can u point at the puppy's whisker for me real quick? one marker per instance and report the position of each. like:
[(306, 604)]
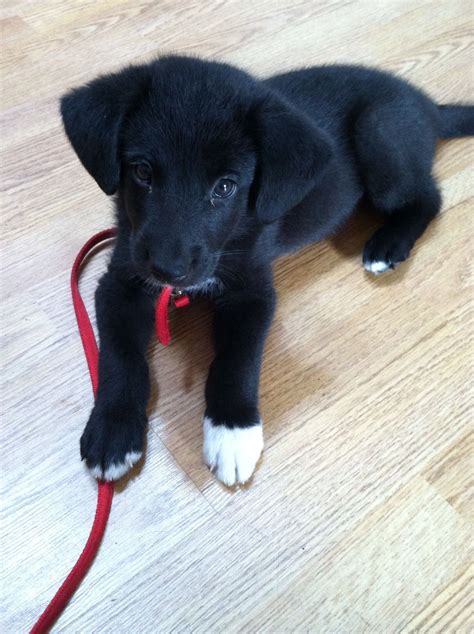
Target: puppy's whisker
[(231, 274), (231, 253)]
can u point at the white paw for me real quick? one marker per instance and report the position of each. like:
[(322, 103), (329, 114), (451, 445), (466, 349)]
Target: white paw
[(232, 453), (378, 266), (117, 469)]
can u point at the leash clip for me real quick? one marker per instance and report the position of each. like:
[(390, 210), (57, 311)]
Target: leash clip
[(180, 299)]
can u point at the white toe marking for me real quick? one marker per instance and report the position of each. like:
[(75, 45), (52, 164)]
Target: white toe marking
[(379, 266), (232, 453), (117, 469)]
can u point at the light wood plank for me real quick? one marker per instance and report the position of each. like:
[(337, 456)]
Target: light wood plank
[(450, 610), (452, 474)]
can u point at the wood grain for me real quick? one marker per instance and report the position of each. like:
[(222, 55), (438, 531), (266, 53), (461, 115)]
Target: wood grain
[(359, 518), (450, 610)]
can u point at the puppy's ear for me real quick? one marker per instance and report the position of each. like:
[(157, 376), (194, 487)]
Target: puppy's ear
[(92, 117), (292, 154)]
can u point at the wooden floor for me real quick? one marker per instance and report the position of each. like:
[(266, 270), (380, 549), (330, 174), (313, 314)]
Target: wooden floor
[(359, 518)]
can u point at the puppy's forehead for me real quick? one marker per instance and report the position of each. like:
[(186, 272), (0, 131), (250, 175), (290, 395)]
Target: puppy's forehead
[(192, 106), (193, 119)]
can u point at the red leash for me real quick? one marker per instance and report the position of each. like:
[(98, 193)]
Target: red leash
[(105, 489), (161, 313)]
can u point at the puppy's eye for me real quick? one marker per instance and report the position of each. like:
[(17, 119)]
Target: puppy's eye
[(142, 173), (224, 188)]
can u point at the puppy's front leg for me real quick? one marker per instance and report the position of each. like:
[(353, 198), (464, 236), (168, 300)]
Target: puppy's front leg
[(114, 436), (233, 439)]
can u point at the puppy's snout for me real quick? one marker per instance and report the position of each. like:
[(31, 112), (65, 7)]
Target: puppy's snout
[(171, 262), (170, 273)]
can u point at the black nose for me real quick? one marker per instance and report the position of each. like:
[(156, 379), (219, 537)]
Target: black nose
[(169, 275)]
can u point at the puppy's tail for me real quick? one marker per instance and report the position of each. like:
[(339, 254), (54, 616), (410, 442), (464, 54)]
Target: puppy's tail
[(456, 120)]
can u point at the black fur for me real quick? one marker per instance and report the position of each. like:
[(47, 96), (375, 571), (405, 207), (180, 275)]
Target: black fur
[(302, 148)]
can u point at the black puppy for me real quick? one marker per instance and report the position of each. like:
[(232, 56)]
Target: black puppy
[(216, 174)]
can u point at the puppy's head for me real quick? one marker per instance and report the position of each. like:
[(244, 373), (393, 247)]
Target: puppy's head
[(199, 153)]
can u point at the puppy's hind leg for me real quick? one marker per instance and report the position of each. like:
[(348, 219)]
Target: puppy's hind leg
[(392, 243), (395, 147)]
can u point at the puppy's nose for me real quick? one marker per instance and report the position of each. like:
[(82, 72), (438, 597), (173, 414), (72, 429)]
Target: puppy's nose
[(171, 275)]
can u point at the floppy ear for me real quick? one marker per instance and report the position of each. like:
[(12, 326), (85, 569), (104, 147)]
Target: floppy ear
[(92, 116), (293, 153)]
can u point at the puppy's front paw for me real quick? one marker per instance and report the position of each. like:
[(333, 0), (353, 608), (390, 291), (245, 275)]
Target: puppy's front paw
[(112, 442), (231, 454)]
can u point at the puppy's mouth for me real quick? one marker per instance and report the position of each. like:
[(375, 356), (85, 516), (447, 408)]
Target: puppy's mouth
[(200, 278), (205, 285)]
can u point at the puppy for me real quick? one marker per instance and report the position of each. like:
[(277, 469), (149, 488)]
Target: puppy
[(215, 174)]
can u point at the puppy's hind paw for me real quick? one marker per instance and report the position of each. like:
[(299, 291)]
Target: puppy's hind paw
[(378, 266), (385, 250)]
